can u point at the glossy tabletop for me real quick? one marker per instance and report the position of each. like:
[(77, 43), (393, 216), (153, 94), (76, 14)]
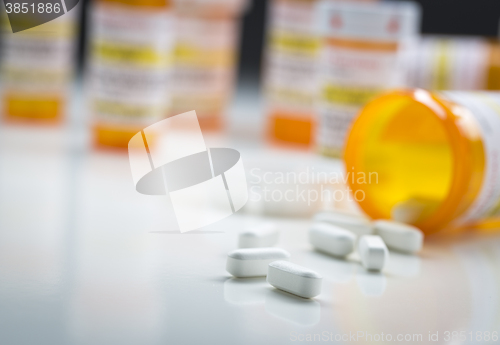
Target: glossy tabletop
[(85, 259)]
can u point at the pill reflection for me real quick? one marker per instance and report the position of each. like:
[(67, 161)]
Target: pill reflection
[(332, 268), (403, 265), (297, 310), (245, 291), (371, 283)]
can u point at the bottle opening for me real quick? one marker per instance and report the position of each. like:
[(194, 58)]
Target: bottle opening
[(403, 146)]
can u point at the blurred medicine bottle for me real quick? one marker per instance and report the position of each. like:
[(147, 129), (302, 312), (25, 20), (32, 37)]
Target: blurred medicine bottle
[(129, 72), (290, 66), (436, 158), (206, 44), (291, 58), (37, 68), (456, 63), (365, 51)]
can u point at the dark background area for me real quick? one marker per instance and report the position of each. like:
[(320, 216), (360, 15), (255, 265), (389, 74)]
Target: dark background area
[(456, 17)]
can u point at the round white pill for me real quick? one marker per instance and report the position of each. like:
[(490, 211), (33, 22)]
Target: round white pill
[(357, 224), (253, 262), (331, 239), (399, 236), (294, 279), (373, 252), (264, 235)]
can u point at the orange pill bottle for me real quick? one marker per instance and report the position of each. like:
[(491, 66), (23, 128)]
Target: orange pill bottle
[(436, 157)]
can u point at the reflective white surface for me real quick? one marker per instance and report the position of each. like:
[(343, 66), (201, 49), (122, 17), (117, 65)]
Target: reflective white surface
[(85, 259)]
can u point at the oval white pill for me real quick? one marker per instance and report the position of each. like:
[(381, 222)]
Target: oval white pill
[(253, 262), (264, 235), (357, 224), (399, 236), (373, 252), (332, 239), (294, 279)]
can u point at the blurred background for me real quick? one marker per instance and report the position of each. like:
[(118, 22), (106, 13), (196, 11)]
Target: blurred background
[(459, 17), (287, 75), (247, 28), (280, 74), (86, 259)]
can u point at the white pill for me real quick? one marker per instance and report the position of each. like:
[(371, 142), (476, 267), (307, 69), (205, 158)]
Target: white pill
[(253, 262), (294, 279), (264, 235), (413, 209), (332, 239), (373, 252), (357, 224), (399, 236), (407, 212)]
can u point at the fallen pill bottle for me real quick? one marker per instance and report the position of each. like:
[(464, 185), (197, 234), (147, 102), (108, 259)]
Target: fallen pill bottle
[(428, 159)]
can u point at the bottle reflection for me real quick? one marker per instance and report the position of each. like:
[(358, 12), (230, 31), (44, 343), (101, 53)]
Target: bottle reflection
[(297, 310), (403, 265), (371, 283), (245, 291), (333, 269), (480, 261)]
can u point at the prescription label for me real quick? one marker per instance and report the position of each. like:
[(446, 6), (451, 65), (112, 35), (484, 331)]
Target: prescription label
[(130, 64), (293, 48), (485, 107), (37, 67), (204, 64), (365, 52), (445, 63)]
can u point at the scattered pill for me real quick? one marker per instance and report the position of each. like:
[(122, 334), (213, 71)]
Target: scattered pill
[(294, 279), (413, 209), (264, 235), (357, 224), (399, 236), (245, 291), (373, 252), (253, 262), (332, 239), (407, 212)]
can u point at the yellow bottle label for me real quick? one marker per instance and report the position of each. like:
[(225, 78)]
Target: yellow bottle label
[(295, 43), (124, 53), (345, 95)]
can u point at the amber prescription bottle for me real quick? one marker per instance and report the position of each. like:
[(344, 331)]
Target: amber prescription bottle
[(436, 158)]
